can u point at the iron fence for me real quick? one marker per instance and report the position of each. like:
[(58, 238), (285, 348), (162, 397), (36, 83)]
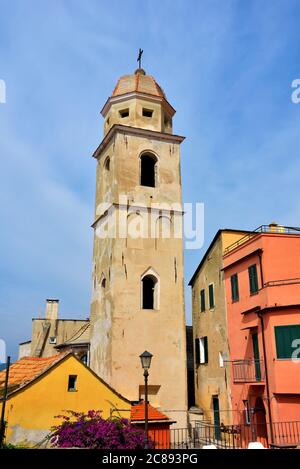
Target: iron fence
[(277, 435)]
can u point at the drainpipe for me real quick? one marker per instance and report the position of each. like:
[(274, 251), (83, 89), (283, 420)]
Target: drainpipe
[(266, 372), (261, 269)]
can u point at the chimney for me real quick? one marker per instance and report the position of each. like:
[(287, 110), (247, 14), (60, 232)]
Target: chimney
[(52, 309)]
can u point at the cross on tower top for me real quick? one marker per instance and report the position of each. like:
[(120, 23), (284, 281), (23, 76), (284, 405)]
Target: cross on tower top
[(139, 59)]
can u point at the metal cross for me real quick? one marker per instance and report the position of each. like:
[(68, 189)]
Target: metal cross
[(139, 59)]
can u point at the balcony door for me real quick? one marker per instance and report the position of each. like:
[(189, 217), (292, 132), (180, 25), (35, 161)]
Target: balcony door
[(256, 357)]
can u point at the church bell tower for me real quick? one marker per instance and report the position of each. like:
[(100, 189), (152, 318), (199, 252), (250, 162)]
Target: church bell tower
[(138, 278)]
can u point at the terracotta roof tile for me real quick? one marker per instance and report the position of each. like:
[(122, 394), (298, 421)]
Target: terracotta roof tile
[(138, 82), (26, 369), (138, 413)]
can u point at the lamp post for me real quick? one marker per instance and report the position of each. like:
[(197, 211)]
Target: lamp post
[(146, 362)]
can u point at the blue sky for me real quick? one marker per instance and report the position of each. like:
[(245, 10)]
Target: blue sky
[(226, 66)]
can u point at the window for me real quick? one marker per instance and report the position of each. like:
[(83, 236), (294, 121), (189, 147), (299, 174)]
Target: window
[(107, 164), (147, 112), (52, 340), (285, 337), (247, 412), (253, 282), (234, 287), (202, 301), (72, 383), (149, 292), (221, 359), (211, 296), (148, 163), (124, 113), (201, 350)]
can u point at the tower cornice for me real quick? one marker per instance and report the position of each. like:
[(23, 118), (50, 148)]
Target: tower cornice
[(137, 94), (137, 131)]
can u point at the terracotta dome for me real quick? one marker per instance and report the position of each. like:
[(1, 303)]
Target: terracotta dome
[(138, 82)]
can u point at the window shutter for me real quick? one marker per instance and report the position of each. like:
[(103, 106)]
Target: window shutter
[(234, 287), (253, 282), (205, 349), (211, 296), (197, 351), (284, 337), (202, 300)]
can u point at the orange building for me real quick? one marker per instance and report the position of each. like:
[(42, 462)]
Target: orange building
[(262, 285)]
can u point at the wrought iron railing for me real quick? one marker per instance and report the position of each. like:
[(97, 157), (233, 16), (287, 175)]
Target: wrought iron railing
[(277, 435), (279, 229), (247, 370)]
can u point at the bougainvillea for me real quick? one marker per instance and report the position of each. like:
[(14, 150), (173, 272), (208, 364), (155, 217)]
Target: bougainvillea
[(90, 430)]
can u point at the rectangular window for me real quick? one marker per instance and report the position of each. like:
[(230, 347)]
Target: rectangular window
[(211, 296), (221, 359), (124, 113), (287, 340), (202, 301), (147, 112), (234, 287), (253, 282), (247, 412), (72, 383), (197, 351), (203, 350)]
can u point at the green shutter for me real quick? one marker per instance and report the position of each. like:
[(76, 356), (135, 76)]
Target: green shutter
[(234, 287), (284, 336), (253, 281), (211, 296), (202, 300)]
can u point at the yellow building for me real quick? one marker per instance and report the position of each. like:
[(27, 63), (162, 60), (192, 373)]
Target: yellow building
[(41, 388), (212, 381)]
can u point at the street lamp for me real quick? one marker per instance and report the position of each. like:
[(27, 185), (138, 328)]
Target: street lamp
[(146, 362)]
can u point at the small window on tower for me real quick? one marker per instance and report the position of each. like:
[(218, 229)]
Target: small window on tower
[(124, 113), (149, 292), (148, 163), (107, 164), (147, 112)]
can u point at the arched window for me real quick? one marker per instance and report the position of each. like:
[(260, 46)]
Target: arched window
[(148, 170), (149, 292), (107, 164)]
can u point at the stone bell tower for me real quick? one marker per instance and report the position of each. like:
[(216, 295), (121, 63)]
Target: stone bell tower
[(138, 291)]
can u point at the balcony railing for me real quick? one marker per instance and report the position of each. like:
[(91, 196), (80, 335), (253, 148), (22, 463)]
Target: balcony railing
[(248, 371), (279, 229)]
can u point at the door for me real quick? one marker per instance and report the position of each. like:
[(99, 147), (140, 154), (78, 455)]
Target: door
[(256, 357), (216, 409)]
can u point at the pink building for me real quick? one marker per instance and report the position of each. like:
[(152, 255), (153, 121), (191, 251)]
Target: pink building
[(262, 282)]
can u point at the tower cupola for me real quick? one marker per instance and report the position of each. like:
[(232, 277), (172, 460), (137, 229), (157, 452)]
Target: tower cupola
[(138, 101)]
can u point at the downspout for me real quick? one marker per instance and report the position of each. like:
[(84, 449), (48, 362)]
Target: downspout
[(266, 373)]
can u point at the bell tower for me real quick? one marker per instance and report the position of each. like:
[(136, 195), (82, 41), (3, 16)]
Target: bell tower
[(138, 288)]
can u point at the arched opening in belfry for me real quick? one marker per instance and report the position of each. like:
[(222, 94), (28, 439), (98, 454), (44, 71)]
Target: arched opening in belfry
[(148, 170), (149, 292)]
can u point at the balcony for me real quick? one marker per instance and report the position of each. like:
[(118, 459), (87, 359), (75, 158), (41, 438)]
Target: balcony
[(248, 371)]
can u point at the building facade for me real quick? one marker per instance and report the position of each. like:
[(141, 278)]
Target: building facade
[(51, 335), (39, 389), (210, 334), (262, 278), (138, 293)]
